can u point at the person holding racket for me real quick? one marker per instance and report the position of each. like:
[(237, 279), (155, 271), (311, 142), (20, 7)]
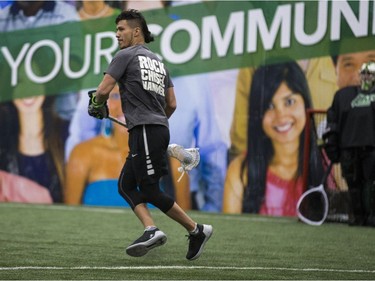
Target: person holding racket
[(148, 100), (267, 179), (350, 139)]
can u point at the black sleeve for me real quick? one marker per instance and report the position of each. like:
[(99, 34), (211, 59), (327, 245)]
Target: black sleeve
[(333, 117), (331, 134)]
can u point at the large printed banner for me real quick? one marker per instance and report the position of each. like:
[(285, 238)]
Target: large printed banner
[(191, 39), (231, 62)]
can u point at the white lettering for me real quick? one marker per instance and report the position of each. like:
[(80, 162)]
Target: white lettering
[(86, 60), (245, 32), (106, 53), (152, 76), (161, 68), (143, 62), (358, 26), (235, 27), (281, 20), (321, 28), (155, 65), (14, 64), (151, 64), (57, 63), (193, 44), (150, 86), (62, 58)]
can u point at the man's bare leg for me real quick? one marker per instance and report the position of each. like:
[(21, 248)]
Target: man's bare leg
[(178, 214), (144, 215)]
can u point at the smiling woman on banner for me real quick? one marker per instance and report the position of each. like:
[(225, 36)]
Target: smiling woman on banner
[(268, 178), (32, 141)]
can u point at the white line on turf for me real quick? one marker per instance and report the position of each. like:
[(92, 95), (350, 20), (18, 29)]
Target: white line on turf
[(178, 267)]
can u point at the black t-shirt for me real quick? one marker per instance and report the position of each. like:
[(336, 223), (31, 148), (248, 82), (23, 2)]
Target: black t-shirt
[(353, 112), (143, 81)]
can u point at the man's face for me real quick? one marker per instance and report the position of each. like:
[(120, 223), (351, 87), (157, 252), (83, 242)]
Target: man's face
[(348, 66), (125, 34)]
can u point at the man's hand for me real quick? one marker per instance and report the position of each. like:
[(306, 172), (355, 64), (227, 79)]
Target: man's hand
[(97, 110)]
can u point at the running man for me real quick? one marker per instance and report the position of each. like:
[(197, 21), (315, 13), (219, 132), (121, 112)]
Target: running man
[(148, 100)]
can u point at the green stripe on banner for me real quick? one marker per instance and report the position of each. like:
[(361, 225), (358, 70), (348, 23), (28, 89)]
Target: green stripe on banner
[(203, 37)]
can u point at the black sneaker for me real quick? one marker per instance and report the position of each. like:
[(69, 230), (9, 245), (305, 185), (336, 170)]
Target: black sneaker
[(197, 241), (149, 240)]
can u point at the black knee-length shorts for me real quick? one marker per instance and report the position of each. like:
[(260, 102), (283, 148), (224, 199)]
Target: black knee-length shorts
[(145, 165)]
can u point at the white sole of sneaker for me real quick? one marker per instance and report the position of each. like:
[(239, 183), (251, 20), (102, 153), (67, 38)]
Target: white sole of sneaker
[(207, 230), (141, 249)]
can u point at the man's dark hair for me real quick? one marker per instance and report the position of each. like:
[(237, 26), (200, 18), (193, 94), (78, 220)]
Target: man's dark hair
[(136, 19)]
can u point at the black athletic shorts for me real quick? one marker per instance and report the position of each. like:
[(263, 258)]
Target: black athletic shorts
[(147, 157)]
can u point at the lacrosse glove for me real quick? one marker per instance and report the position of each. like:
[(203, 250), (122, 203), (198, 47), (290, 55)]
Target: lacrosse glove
[(97, 110)]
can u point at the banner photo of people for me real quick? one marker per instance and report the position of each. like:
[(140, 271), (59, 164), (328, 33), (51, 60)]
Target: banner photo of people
[(253, 82)]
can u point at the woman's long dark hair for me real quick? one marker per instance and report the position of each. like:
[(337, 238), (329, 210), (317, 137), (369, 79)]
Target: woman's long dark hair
[(52, 138), (266, 80)]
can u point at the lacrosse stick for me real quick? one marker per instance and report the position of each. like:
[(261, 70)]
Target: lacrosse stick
[(188, 157), (312, 206), (117, 121)]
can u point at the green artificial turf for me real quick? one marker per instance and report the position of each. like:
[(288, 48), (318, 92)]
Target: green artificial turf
[(87, 243)]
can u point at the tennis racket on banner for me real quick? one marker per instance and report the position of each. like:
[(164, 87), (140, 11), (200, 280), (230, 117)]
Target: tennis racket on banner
[(312, 206)]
